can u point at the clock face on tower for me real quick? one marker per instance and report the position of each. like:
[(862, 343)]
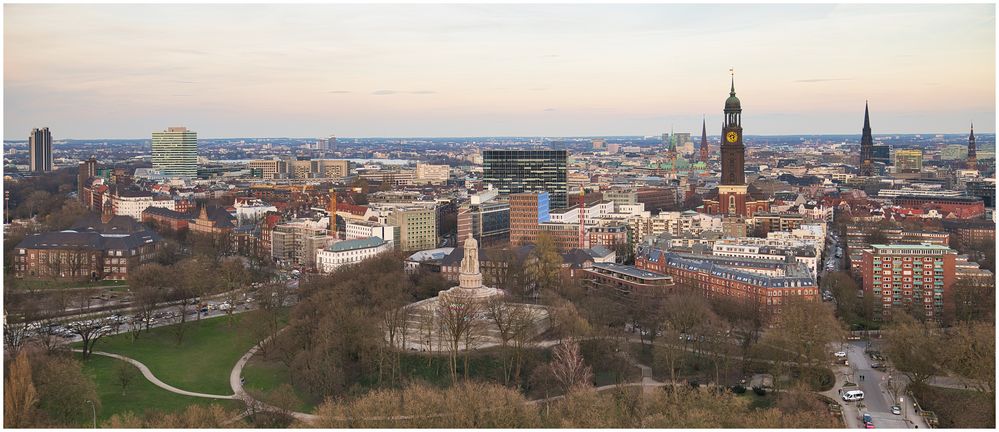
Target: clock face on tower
[(732, 137)]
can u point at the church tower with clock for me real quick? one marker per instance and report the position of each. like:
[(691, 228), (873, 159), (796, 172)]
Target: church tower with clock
[(732, 190), (734, 198)]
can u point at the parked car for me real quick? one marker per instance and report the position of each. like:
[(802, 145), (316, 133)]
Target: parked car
[(897, 410), (875, 365), (840, 353), (853, 395)]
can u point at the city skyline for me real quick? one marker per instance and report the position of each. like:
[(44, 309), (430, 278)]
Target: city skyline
[(495, 70)]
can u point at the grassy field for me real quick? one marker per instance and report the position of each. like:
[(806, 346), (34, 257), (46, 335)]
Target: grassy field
[(140, 395), (201, 363)]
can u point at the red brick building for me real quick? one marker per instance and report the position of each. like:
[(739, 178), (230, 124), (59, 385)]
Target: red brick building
[(529, 218), (765, 283), (948, 207), (628, 283), (164, 219), (94, 248), (913, 277), (971, 231)]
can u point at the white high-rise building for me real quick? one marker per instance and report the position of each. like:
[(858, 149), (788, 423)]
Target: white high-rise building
[(175, 152)]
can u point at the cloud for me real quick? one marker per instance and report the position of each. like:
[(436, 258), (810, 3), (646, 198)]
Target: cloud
[(549, 109), (339, 91), (549, 56), (185, 82), (815, 80), (392, 92)]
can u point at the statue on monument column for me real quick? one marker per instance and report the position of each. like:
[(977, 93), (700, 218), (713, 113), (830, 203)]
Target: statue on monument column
[(470, 262)]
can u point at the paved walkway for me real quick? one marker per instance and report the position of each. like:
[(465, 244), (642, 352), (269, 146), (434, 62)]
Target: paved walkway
[(156, 381), (236, 382)]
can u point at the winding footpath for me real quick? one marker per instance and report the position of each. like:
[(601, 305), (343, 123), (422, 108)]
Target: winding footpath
[(156, 381)]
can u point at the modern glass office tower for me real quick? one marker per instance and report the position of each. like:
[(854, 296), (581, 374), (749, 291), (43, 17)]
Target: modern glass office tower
[(516, 171), (175, 152)]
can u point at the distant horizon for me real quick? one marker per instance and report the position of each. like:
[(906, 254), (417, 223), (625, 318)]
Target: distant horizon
[(464, 70), (875, 135)]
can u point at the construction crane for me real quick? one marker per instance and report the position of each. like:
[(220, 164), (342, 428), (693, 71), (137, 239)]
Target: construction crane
[(582, 218)]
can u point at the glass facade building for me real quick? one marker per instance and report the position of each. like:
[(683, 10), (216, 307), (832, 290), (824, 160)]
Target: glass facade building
[(175, 152), (516, 171)]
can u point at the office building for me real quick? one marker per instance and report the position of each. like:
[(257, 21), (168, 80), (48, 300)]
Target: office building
[(40, 150), (433, 174), (326, 144), (86, 171), (362, 229), (527, 211), (486, 219), (417, 227), (881, 153), (910, 277), (295, 243), (349, 252), (175, 152), (516, 171), (908, 161)]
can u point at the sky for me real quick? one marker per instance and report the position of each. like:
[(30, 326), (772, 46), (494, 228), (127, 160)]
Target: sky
[(124, 71)]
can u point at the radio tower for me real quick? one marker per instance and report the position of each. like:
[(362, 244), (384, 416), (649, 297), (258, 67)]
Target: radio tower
[(582, 219)]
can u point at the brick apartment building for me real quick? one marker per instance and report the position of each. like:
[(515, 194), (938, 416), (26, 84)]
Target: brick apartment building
[(917, 277)]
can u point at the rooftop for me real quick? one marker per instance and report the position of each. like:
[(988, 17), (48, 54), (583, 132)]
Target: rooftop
[(348, 245), (631, 271)]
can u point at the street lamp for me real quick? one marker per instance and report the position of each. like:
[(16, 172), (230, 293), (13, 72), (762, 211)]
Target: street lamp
[(94, 409)]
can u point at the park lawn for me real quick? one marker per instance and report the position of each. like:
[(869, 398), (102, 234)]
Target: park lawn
[(956, 408), (266, 375), (201, 363), (140, 394)]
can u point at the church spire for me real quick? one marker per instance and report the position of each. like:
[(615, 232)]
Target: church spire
[(732, 92), (972, 162), (704, 140), (867, 118), (866, 145)]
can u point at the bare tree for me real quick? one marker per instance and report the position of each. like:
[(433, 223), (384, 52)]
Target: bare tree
[(233, 276), (89, 331), (515, 324), (914, 347), (568, 366), (457, 316), (124, 375), (15, 334)]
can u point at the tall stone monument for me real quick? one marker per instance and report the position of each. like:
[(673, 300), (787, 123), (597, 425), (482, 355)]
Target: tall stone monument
[(470, 286)]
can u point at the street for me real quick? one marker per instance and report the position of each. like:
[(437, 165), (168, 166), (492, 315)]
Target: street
[(877, 399)]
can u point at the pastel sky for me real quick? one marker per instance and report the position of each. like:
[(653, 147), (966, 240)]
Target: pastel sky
[(123, 71)]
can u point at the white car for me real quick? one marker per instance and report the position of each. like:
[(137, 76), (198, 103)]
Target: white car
[(839, 354)]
